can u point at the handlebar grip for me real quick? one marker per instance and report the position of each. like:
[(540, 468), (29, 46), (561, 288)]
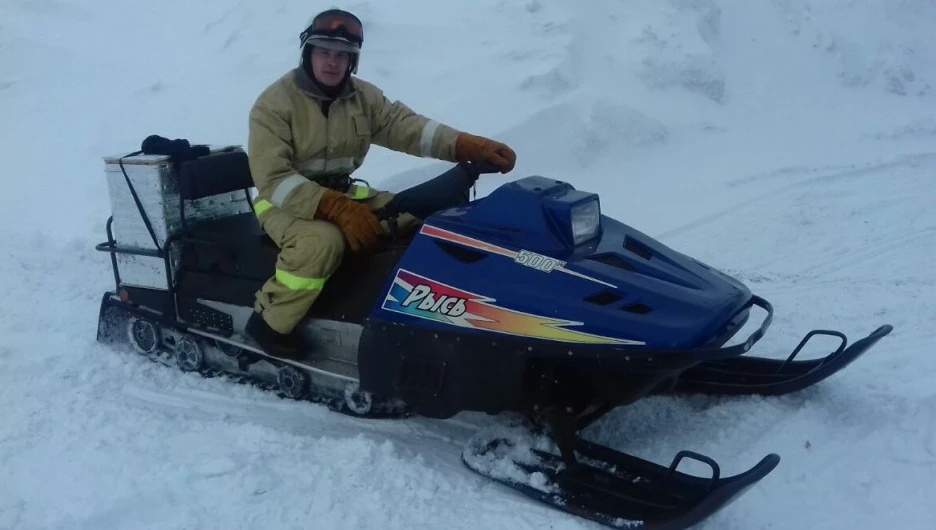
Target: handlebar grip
[(481, 168)]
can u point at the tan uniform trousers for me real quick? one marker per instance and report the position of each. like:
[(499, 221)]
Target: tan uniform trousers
[(310, 252)]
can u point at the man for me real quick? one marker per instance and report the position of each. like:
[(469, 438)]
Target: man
[(309, 131)]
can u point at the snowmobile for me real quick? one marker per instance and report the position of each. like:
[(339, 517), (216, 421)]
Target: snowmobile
[(528, 301)]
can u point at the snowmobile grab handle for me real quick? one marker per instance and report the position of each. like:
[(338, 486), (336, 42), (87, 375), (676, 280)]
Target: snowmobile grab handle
[(736, 350), (708, 353), (759, 332)]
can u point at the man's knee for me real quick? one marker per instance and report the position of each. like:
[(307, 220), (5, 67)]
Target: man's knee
[(315, 248), (326, 244)]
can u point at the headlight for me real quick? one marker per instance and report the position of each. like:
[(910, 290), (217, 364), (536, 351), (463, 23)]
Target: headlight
[(585, 221), (574, 215)]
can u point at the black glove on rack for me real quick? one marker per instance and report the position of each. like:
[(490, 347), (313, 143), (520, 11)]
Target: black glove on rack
[(178, 150)]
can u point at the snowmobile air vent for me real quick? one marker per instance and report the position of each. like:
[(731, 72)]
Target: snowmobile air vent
[(462, 254), (637, 248), (603, 298), (614, 260), (637, 309)]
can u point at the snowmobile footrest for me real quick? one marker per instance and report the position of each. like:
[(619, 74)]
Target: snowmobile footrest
[(623, 491)]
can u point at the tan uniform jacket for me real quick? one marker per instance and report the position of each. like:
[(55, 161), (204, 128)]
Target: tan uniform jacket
[(291, 141)]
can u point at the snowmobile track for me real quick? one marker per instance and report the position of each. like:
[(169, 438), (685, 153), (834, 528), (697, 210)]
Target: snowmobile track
[(246, 364)]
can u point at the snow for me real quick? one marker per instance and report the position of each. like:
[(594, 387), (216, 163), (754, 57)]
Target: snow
[(787, 142)]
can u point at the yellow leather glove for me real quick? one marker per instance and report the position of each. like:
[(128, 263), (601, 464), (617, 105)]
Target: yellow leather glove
[(471, 148), (355, 220)]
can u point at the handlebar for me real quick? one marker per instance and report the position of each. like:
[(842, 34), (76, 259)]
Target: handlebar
[(480, 168), (447, 190)]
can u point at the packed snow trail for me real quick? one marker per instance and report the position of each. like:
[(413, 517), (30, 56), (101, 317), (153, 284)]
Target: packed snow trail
[(789, 143)]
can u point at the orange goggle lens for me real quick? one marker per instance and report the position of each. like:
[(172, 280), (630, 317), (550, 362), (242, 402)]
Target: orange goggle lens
[(339, 25)]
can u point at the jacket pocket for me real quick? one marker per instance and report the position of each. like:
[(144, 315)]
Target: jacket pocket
[(361, 126)]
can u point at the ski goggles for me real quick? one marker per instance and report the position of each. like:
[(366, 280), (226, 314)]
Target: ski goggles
[(337, 31)]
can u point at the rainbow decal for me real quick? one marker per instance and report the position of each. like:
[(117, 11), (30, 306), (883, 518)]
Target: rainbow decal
[(421, 297), (446, 235)]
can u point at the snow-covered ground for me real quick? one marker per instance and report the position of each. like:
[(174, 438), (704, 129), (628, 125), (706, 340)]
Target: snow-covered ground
[(789, 142)]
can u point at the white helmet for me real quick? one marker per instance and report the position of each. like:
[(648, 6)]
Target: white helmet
[(334, 29)]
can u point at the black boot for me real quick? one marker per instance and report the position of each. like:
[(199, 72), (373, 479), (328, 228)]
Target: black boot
[(285, 346)]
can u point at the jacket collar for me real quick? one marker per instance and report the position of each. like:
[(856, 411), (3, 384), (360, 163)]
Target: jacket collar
[(307, 85)]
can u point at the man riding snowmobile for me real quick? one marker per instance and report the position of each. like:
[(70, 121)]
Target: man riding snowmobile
[(308, 132)]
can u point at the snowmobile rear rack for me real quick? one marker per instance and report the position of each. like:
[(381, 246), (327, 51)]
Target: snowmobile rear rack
[(174, 310)]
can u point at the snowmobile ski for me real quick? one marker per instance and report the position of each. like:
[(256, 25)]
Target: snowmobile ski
[(607, 486), (629, 492), (759, 375)]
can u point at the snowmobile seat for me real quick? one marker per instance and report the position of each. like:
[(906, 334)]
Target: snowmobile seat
[(226, 258), (239, 232), (215, 174)]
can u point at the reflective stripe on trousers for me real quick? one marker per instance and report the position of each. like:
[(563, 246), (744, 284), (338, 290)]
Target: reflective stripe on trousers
[(288, 279), (298, 283)]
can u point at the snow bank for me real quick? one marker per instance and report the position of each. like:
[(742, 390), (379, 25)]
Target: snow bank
[(884, 46)]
